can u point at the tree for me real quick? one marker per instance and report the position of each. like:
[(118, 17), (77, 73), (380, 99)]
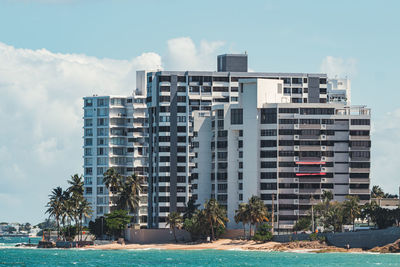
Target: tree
[(98, 227), (190, 209), (76, 185), (352, 208), (79, 207), (215, 215), (263, 233), (242, 216), (303, 224), (116, 222), (128, 198), (174, 220), (113, 180), (55, 206), (377, 192), (330, 214), (327, 196), (367, 210), (197, 226), (84, 210), (257, 211)]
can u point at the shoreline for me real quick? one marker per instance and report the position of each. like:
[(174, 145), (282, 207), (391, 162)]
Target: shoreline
[(229, 244)]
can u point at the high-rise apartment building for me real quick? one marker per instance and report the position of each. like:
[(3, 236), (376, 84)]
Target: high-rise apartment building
[(172, 97), (115, 136), (268, 146), (179, 136)]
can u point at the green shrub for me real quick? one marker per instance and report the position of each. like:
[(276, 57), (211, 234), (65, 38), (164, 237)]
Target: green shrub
[(313, 237), (263, 233)]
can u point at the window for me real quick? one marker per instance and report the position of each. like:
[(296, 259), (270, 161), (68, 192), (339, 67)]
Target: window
[(88, 171), (288, 121), (268, 132), (237, 116), (317, 111), (268, 175), (360, 122), (268, 164), (268, 186), (322, 80), (88, 190), (102, 122), (164, 98), (88, 151), (88, 122), (289, 110), (359, 133), (88, 141), (89, 132), (88, 103), (286, 90), (268, 154), (268, 115), (268, 143), (361, 165)]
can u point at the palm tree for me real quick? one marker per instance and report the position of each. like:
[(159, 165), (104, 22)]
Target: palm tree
[(327, 196), (113, 180), (67, 214), (215, 215), (190, 209), (352, 208), (257, 211), (174, 220), (377, 192), (54, 205), (129, 193), (76, 185), (83, 210), (242, 215)]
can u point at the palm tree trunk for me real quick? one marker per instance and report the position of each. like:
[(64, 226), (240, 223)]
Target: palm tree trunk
[(244, 230), (212, 231), (249, 230), (173, 230)]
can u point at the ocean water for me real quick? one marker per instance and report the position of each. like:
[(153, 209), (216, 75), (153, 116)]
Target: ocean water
[(10, 256)]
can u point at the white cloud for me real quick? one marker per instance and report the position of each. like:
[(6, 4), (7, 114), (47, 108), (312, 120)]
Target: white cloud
[(339, 67), (385, 149), (41, 113), (184, 55)]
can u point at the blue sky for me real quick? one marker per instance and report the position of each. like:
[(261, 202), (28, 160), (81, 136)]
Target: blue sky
[(54, 52)]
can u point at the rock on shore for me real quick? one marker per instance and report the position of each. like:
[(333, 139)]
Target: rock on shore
[(389, 248)]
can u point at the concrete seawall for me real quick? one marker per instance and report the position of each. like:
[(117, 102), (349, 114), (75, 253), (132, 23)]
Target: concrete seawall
[(360, 239), (155, 236)]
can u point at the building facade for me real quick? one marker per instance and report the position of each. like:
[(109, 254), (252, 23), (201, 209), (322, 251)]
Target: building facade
[(179, 136), (173, 97), (115, 136), (268, 146)]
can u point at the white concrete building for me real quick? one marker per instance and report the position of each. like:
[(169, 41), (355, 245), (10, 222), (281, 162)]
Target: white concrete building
[(115, 135), (266, 145)]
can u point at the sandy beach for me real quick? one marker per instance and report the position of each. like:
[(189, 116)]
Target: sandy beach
[(230, 244)]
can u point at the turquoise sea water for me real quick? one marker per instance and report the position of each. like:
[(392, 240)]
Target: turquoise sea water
[(10, 256)]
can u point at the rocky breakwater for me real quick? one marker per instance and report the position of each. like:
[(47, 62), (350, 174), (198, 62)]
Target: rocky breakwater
[(389, 248)]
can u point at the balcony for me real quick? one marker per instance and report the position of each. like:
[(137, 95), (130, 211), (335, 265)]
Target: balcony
[(310, 191), (359, 191)]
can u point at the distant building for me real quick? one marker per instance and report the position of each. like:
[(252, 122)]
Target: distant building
[(387, 203)]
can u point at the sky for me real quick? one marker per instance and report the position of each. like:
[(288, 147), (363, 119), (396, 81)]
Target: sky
[(54, 52)]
